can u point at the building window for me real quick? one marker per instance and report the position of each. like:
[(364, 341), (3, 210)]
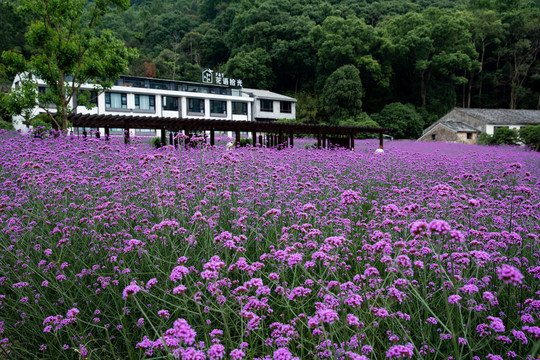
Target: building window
[(41, 93), (285, 107), (218, 107), (145, 102), (267, 105), (115, 101), (87, 131), (433, 136), (196, 106), (170, 103), (469, 136), (239, 108), (145, 131), (91, 96)]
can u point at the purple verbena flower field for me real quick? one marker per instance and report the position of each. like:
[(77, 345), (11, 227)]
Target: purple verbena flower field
[(428, 251)]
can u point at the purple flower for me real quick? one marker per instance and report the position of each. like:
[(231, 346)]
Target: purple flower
[(131, 289), (400, 351), (510, 275), (237, 354), (72, 312), (439, 227)]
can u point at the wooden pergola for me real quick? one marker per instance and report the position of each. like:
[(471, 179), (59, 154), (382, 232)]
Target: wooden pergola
[(277, 134)]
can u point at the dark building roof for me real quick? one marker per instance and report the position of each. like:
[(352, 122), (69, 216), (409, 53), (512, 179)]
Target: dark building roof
[(503, 116), (459, 126)]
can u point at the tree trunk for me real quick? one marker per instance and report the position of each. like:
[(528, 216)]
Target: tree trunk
[(423, 90), (470, 91)]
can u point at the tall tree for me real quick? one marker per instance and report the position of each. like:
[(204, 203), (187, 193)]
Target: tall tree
[(253, 68), (522, 48), (342, 94), (69, 52), (340, 42), (435, 45), (486, 29)]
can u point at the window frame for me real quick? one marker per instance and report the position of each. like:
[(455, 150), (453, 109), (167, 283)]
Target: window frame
[(201, 106), (151, 103), (243, 111), (108, 101), (213, 111), (264, 108), (283, 110), (165, 99)]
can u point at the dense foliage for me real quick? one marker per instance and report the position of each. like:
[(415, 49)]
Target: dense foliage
[(68, 52), (428, 251), (431, 54)]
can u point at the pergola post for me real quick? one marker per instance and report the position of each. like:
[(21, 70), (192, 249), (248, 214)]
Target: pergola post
[(281, 139), (171, 138), (107, 133), (237, 133), (254, 137), (212, 137), (380, 139), (163, 137), (319, 140), (351, 141), (260, 140), (97, 134), (324, 141), (187, 139), (291, 139), (126, 134)]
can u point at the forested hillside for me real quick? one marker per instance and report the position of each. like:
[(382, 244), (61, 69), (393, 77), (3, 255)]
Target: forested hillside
[(347, 61)]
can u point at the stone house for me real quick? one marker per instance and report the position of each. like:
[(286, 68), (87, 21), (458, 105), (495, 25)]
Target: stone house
[(464, 125)]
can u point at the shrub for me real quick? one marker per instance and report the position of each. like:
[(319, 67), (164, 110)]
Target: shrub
[(156, 142), (505, 136), (6, 125), (244, 142), (402, 118), (485, 139), (530, 135)]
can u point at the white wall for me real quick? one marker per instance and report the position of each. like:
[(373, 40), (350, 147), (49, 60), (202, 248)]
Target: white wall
[(490, 128), (275, 114)]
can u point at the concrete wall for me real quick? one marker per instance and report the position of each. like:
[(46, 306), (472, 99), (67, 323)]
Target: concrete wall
[(462, 138), (442, 133)]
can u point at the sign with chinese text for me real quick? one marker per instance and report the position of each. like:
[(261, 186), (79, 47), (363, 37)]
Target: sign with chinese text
[(209, 77)]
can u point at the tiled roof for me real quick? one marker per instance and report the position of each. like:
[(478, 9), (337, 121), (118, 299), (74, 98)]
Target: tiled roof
[(503, 116), (460, 126), (265, 94)]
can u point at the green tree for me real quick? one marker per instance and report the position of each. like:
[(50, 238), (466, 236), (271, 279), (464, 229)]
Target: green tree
[(403, 119), (254, 68), (486, 29), (505, 136), (307, 108), (342, 94), (12, 28), (340, 42), (522, 48), (530, 135), (213, 49), (362, 120), (22, 100), (435, 45), (69, 52)]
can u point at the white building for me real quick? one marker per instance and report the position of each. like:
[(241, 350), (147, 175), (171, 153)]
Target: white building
[(140, 96)]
